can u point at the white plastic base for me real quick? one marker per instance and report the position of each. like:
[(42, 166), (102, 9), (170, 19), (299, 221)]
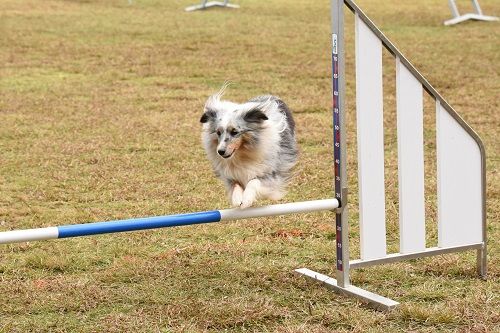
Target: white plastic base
[(470, 16), (210, 4)]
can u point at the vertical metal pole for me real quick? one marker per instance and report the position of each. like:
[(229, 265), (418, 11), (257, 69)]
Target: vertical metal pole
[(339, 141), (482, 254), (453, 8), (481, 262), (477, 8)]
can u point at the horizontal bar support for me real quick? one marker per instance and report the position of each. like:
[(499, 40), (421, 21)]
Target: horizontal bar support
[(396, 257), (373, 300), (86, 229)]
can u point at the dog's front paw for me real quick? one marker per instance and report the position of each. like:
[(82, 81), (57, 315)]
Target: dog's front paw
[(248, 200), (237, 196), (237, 200), (246, 204), (250, 193)]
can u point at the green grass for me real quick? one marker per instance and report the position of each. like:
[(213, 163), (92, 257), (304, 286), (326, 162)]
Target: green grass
[(99, 109)]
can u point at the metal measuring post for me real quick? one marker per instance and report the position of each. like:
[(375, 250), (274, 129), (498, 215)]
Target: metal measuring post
[(339, 142)]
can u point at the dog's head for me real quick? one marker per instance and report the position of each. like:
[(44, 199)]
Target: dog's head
[(232, 127)]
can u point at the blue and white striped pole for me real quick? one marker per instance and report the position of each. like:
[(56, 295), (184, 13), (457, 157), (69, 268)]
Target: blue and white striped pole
[(76, 230)]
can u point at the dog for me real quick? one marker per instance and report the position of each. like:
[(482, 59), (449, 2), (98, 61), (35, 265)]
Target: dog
[(251, 146)]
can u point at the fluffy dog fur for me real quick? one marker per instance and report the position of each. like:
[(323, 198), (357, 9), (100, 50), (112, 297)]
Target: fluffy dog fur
[(251, 146)]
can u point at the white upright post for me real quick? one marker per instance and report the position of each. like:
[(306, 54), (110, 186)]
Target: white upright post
[(370, 131), (410, 122), (477, 8), (453, 8)]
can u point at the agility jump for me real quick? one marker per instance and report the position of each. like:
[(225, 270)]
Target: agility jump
[(460, 172), (461, 163)]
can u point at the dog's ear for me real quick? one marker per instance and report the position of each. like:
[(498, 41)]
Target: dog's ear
[(208, 115), (255, 116)]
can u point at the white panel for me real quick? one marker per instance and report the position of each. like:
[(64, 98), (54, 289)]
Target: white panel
[(369, 114), (409, 97), (459, 183)]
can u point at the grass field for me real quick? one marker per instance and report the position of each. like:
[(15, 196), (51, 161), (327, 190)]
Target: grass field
[(99, 110)]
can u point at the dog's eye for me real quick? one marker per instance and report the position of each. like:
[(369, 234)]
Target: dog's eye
[(218, 133), (234, 132)]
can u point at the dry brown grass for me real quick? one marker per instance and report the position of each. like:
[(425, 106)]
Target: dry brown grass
[(99, 110)]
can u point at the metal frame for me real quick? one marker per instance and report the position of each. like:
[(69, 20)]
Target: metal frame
[(477, 15), (342, 284), (208, 4)]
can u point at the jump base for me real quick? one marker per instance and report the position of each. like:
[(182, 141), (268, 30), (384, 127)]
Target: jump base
[(373, 300), (210, 4), (470, 16)]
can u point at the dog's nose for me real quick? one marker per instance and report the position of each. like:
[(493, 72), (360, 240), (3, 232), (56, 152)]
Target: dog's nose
[(221, 152)]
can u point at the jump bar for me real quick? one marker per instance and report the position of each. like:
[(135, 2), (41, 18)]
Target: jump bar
[(95, 228)]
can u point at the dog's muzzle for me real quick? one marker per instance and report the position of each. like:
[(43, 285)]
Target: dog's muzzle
[(223, 153)]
